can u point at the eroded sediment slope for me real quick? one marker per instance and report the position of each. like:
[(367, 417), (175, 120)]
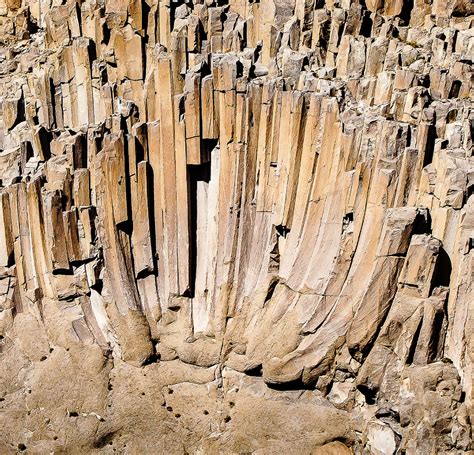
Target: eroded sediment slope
[(236, 227)]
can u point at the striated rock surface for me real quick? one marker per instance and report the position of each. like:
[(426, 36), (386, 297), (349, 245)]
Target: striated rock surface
[(235, 226)]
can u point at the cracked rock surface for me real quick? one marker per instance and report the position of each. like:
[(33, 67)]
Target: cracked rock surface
[(236, 226)]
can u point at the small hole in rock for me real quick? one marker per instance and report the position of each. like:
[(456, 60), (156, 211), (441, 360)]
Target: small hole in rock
[(231, 404), (348, 218), (205, 412), (21, 447), (451, 117), (177, 416), (169, 408), (43, 358), (73, 414), (227, 419), (170, 391), (455, 89)]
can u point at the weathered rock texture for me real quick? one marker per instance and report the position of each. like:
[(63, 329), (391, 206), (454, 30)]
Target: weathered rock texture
[(236, 227)]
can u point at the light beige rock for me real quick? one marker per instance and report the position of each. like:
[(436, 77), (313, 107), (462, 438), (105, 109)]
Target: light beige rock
[(236, 227)]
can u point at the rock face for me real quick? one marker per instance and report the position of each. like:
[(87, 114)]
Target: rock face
[(236, 226)]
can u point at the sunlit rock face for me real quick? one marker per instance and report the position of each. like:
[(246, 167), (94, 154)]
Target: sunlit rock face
[(236, 226)]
